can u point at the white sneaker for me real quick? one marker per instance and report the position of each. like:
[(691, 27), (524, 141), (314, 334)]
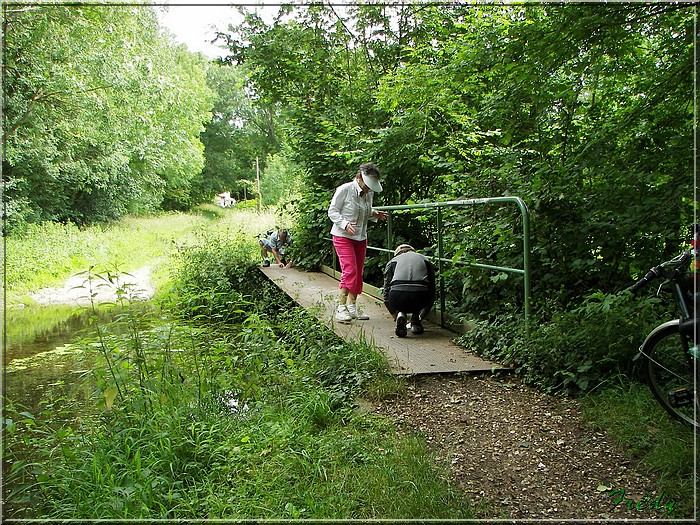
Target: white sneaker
[(342, 315), (355, 313)]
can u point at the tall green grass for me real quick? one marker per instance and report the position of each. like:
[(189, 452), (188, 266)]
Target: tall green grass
[(226, 402), (46, 254)]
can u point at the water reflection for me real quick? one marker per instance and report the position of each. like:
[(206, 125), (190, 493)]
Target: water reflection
[(36, 329), (40, 363)]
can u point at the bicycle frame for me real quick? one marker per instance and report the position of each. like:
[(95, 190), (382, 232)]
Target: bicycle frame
[(673, 272), (672, 369), (675, 276)]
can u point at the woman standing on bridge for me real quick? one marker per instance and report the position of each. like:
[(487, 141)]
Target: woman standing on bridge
[(350, 210)]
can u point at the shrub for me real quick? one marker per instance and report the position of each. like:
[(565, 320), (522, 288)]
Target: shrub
[(209, 279), (575, 350)]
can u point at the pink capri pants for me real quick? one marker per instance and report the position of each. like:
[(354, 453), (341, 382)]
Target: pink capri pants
[(351, 255)]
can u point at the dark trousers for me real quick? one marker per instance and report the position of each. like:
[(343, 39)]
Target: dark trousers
[(408, 302)]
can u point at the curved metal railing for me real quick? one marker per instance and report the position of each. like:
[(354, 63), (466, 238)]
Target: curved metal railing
[(525, 271)]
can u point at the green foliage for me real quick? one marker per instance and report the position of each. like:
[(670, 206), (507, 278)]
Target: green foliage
[(281, 181), (245, 415), (250, 204), (47, 254), (101, 113), (572, 351), (239, 133), (528, 103), (581, 110), (312, 229), (210, 276), (308, 68)]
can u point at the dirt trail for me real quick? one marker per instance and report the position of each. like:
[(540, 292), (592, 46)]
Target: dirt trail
[(78, 289), (518, 453)]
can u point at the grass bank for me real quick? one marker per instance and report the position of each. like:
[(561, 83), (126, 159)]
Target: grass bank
[(224, 402), (629, 414), (47, 254)]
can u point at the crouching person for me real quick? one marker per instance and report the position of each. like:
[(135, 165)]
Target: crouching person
[(409, 288), (276, 244)]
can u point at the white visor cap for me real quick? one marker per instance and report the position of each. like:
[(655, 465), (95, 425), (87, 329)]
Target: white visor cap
[(372, 182)]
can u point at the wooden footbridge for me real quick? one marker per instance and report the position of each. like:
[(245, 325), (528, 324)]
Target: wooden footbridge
[(429, 353)]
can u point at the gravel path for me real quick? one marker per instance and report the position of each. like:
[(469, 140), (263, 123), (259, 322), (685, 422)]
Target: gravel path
[(518, 453)]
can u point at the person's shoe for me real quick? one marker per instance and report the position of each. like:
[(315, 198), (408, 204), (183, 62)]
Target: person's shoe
[(342, 315), (355, 313), (401, 325), (266, 263), (417, 327)]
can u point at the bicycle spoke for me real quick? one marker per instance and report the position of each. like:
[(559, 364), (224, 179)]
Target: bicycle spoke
[(671, 374)]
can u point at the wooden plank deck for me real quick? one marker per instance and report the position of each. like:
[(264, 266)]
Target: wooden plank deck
[(429, 353)]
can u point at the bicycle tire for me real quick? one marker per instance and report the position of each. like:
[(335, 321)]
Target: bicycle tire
[(671, 373)]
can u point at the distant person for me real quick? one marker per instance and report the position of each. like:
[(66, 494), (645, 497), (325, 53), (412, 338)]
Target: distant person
[(409, 288), (276, 244), (350, 210)]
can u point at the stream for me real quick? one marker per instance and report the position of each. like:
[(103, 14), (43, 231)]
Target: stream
[(40, 365)]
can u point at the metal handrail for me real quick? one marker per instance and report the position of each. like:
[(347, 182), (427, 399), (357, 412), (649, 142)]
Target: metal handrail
[(525, 271)]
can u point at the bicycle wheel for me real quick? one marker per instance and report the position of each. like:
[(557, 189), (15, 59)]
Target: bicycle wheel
[(671, 373)]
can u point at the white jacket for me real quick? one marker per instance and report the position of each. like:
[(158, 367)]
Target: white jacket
[(348, 206)]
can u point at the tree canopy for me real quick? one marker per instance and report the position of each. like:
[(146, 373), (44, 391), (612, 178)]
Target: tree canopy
[(585, 111), (101, 113)]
